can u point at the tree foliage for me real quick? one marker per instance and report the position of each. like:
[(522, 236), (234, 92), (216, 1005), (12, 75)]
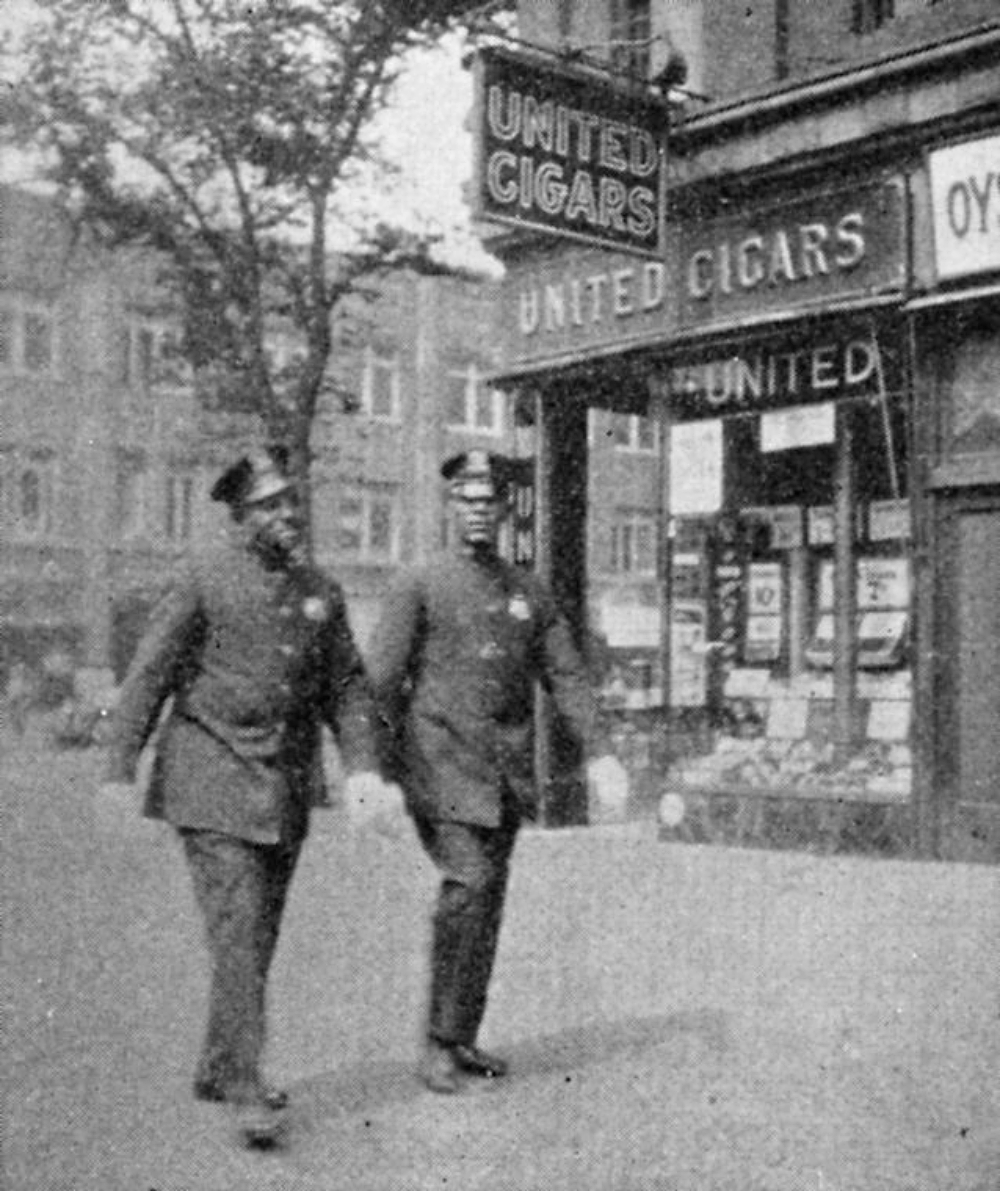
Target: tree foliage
[(225, 134)]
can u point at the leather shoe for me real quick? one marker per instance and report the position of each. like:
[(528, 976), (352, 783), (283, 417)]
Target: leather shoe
[(439, 1070), (273, 1098), (479, 1062), (258, 1127)]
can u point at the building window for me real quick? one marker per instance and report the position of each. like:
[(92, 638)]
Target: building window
[(37, 342), (6, 337), (130, 496), (177, 511), (27, 339), (31, 498), (633, 432), (471, 404), (380, 387), (870, 15), (369, 523), (633, 545), (151, 355), (630, 36)]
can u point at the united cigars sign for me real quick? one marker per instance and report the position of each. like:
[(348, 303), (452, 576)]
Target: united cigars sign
[(568, 153)]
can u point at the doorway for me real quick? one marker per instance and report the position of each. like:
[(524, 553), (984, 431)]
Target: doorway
[(967, 679)]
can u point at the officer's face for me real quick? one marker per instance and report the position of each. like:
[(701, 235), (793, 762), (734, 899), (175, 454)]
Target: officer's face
[(274, 522), (478, 512)]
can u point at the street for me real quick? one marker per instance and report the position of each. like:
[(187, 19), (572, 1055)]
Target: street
[(104, 990)]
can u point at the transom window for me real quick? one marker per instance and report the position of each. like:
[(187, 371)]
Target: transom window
[(634, 432)]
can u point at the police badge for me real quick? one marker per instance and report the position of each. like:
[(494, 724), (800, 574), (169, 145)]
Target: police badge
[(313, 608), (519, 607)]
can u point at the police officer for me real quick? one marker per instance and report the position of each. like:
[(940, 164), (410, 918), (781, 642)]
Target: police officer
[(460, 644), (253, 645)]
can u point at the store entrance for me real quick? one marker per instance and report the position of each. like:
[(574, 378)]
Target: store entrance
[(967, 750)]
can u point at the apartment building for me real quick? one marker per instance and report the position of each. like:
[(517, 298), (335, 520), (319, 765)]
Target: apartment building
[(107, 452)]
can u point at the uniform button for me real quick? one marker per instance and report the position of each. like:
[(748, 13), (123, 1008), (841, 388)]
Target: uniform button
[(284, 688), (284, 611), (287, 649)]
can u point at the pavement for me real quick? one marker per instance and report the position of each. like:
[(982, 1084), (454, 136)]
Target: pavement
[(104, 985)]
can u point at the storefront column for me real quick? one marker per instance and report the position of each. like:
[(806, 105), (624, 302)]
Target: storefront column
[(845, 589), (798, 609), (561, 556), (665, 543)]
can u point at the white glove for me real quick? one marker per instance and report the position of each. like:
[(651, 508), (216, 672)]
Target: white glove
[(374, 804), (608, 789)]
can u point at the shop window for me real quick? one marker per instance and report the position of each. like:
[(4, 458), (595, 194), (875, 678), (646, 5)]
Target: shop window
[(380, 387), (870, 15), (630, 35), (471, 404), (632, 546), (368, 525)]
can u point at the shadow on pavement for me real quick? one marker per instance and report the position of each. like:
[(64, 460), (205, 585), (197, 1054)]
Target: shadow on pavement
[(376, 1085)]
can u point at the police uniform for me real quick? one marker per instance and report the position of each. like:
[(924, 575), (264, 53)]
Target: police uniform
[(255, 655), (460, 643)]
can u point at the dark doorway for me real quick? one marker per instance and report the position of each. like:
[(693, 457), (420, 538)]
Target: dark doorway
[(967, 750)]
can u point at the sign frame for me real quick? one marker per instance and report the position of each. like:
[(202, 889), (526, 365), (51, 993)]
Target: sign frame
[(520, 169), (965, 206)]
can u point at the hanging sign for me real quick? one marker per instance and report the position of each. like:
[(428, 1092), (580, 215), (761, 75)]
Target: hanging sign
[(565, 151)]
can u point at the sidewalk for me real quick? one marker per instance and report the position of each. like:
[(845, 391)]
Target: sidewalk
[(679, 1019)]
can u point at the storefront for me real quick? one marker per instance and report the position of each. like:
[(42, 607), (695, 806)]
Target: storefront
[(772, 350), (816, 335), (790, 519)]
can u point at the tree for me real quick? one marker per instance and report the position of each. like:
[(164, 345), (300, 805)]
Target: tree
[(225, 135)]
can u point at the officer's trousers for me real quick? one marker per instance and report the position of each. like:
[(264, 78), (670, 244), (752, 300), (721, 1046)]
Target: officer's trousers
[(474, 863), (241, 889)]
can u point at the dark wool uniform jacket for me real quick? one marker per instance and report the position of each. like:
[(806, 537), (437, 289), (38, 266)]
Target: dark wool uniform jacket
[(453, 661), (256, 659)]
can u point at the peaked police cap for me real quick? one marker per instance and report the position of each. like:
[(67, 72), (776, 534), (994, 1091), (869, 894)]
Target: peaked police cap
[(256, 476)]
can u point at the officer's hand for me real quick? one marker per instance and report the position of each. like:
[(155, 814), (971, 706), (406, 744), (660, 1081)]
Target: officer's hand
[(374, 804), (607, 789), (116, 808)]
